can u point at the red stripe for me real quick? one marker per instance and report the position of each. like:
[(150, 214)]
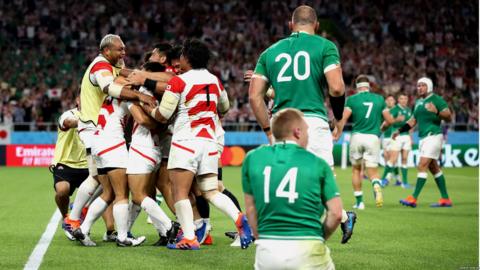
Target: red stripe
[(204, 133), (143, 155), (81, 130), (203, 121), (101, 65), (213, 153), (175, 85), (110, 149), (201, 89), (183, 147), (203, 107)]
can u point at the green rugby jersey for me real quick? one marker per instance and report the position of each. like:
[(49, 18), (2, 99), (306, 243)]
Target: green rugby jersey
[(290, 186), (367, 111), (295, 67), (399, 110), (428, 122)]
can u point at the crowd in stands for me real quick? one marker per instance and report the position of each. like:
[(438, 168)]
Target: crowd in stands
[(45, 46)]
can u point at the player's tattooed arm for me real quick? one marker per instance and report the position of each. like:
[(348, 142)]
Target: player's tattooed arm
[(256, 93), (334, 216), (251, 213)]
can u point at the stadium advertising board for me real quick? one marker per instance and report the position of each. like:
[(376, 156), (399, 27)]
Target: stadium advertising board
[(462, 155), (27, 155)]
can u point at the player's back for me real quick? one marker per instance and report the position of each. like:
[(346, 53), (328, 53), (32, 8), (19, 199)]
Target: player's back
[(367, 111), (199, 92), (112, 118), (287, 182), (295, 67), (69, 149)]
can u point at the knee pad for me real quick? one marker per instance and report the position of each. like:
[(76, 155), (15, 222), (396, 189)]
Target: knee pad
[(207, 183)]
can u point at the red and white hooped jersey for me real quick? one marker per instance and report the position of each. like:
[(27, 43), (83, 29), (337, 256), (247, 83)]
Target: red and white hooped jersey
[(112, 118), (199, 94), (141, 135)]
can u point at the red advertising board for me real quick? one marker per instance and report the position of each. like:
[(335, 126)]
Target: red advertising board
[(30, 155)]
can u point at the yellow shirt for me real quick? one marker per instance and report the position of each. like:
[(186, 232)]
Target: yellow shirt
[(91, 96), (69, 149)]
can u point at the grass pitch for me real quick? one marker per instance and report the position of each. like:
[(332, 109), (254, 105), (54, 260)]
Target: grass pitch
[(393, 237)]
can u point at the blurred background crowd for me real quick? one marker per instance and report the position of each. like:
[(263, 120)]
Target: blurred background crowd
[(45, 47)]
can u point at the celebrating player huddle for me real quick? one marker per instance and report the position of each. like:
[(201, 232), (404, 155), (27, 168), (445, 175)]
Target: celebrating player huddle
[(171, 109)]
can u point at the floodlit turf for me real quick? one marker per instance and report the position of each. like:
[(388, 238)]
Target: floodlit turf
[(394, 237)]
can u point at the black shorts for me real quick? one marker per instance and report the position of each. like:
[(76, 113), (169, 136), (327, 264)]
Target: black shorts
[(73, 176)]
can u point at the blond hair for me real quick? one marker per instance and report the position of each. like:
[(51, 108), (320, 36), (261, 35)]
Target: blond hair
[(284, 121)]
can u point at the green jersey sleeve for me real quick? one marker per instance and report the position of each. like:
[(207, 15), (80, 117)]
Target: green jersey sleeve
[(440, 103), (261, 67), (330, 56), (348, 103), (247, 188), (329, 187)]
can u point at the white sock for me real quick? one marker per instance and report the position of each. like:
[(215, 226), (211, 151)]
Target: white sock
[(95, 211), (85, 191), (120, 214), (225, 204), (159, 219), (133, 212), (98, 191), (198, 223), (184, 211), (344, 216)]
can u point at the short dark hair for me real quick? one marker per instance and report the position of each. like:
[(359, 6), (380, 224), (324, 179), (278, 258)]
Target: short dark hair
[(163, 47), (147, 56), (196, 53), (174, 53), (362, 78), (153, 67)]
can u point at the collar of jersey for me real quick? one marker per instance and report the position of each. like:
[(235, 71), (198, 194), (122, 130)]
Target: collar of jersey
[(298, 32), (287, 142)]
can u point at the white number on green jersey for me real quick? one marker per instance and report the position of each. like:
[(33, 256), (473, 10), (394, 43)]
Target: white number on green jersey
[(290, 179), (370, 106), (288, 62)]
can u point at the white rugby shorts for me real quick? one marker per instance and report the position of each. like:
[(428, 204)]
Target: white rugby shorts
[(196, 155), (402, 142), (365, 147), (292, 254), (320, 140), (109, 152), (143, 160), (431, 146)]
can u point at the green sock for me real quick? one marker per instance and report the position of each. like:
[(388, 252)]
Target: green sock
[(395, 172), (376, 181), (386, 171), (404, 175), (442, 186), (358, 196), (421, 180)]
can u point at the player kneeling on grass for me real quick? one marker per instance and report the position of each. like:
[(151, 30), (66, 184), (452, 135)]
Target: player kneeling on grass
[(429, 111), (287, 189), (197, 94)]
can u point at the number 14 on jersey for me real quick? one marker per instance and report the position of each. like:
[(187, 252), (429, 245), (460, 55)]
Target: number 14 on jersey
[(290, 179)]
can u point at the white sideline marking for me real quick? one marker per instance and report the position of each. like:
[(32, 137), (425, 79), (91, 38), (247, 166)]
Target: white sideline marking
[(40, 249)]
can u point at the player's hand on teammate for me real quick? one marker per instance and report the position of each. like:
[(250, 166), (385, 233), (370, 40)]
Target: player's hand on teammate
[(395, 135), (400, 118), (431, 107), (136, 77), (247, 77), (147, 100)]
